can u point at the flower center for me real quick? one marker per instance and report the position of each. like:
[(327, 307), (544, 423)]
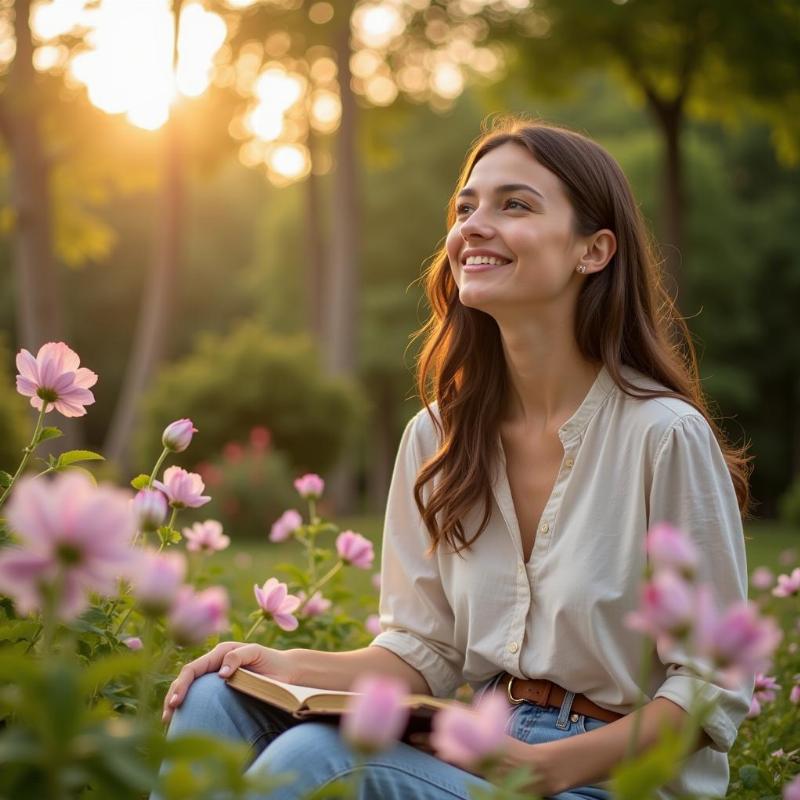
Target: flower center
[(48, 395), (69, 555)]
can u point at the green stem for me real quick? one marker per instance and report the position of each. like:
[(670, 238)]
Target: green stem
[(254, 628), (169, 525), (157, 467), (27, 453), (644, 674), (325, 578), (122, 622)]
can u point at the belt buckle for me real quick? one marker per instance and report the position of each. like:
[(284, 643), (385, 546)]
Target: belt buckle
[(511, 699)]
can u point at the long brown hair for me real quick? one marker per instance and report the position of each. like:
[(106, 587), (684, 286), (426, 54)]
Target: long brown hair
[(624, 317)]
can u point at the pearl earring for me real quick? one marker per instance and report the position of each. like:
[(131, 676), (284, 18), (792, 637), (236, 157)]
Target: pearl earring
[(581, 268)]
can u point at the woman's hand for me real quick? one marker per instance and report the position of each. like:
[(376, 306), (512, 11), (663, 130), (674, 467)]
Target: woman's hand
[(225, 658)]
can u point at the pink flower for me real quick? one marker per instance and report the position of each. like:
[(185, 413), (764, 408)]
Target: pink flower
[(792, 790), (794, 695), (469, 737), (184, 489), (373, 624), (376, 716), (177, 435), (788, 585), (310, 486), (667, 607), (206, 537), (285, 526), (315, 605), (197, 615), (260, 438), (670, 548), (787, 557), (233, 452), (739, 641), (156, 580), (276, 602), (764, 692), (762, 578), (71, 531), (150, 507), (56, 378), (355, 549), (133, 642)]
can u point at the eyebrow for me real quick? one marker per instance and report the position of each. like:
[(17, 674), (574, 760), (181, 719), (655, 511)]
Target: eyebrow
[(506, 187)]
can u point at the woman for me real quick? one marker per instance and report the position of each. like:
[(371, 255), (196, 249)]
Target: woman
[(568, 419)]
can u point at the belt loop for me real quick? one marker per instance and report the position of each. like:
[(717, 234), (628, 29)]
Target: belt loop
[(563, 715)]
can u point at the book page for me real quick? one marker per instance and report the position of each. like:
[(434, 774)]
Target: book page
[(302, 693)]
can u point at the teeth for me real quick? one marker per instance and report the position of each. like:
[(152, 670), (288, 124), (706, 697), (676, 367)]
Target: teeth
[(485, 260)]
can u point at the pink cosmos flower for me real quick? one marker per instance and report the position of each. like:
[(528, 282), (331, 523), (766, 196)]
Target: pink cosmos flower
[(670, 548), (794, 695), (150, 508), (667, 607), (355, 549), (468, 736), (315, 605), (260, 438), (792, 790), (765, 691), (376, 716), (197, 615), (183, 489), (133, 643), (788, 585), (285, 526), (177, 435), (206, 537), (276, 602), (762, 578), (70, 530), (56, 378), (738, 641), (310, 486), (373, 624), (157, 579)]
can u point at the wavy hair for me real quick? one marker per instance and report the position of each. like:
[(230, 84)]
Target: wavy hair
[(624, 317)]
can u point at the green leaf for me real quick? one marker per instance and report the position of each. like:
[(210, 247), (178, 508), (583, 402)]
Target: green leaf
[(754, 778), (5, 479), (638, 779), (104, 670), (140, 481), (47, 433), (74, 456)]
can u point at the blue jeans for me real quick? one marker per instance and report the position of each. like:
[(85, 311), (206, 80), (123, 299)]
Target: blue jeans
[(316, 755)]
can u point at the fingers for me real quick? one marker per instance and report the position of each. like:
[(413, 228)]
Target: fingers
[(209, 662), (240, 657)]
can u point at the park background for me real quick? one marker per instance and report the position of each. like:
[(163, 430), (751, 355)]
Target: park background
[(227, 219)]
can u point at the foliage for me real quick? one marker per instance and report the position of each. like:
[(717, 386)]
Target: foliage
[(13, 417), (790, 505), (276, 385)]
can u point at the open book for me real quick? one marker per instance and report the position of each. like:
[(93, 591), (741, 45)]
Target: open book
[(305, 701)]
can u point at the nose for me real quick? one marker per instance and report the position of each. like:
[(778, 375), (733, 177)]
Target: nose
[(477, 224)]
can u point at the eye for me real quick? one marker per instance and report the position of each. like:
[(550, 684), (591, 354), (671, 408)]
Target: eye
[(513, 202), (462, 208)]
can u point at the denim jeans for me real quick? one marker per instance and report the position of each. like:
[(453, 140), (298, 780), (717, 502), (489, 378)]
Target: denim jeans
[(316, 755)]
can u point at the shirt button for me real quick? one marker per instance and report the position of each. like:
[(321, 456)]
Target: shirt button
[(573, 718), (513, 647), (569, 462), (544, 527)]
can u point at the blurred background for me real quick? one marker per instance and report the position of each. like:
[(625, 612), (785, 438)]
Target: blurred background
[(224, 207)]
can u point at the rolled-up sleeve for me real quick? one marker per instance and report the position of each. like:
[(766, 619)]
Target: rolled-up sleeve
[(692, 490), (416, 617)]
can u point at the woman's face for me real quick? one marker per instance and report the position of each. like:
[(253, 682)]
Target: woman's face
[(513, 241)]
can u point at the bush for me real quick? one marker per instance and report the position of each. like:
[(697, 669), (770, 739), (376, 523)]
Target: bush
[(251, 486), (790, 505), (251, 378)]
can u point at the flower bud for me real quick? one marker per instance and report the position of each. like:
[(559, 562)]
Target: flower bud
[(150, 507), (177, 435)]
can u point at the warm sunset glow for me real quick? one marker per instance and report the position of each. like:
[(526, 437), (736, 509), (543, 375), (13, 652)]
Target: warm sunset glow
[(127, 67), (289, 161), (377, 23)]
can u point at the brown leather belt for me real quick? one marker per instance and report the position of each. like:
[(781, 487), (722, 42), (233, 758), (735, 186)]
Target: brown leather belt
[(542, 692)]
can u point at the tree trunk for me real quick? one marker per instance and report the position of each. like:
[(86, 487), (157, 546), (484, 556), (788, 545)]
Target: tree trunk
[(158, 299), (39, 313), (315, 255), (383, 445), (341, 298), (669, 117)]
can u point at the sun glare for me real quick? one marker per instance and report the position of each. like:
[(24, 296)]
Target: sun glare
[(127, 66)]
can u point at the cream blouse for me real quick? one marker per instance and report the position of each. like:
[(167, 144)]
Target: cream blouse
[(627, 465)]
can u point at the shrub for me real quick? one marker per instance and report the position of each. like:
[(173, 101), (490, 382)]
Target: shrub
[(251, 378), (790, 505), (14, 422)]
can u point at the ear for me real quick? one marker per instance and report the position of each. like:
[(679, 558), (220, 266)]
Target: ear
[(600, 249)]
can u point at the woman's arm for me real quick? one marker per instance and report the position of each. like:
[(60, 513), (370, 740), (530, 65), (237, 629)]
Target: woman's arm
[(590, 757)]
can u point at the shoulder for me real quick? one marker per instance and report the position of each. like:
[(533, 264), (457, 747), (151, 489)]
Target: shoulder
[(655, 420), (421, 436)]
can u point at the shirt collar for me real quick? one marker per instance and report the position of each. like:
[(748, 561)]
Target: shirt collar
[(599, 391)]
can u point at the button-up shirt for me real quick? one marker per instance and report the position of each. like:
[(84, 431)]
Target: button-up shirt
[(628, 464)]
